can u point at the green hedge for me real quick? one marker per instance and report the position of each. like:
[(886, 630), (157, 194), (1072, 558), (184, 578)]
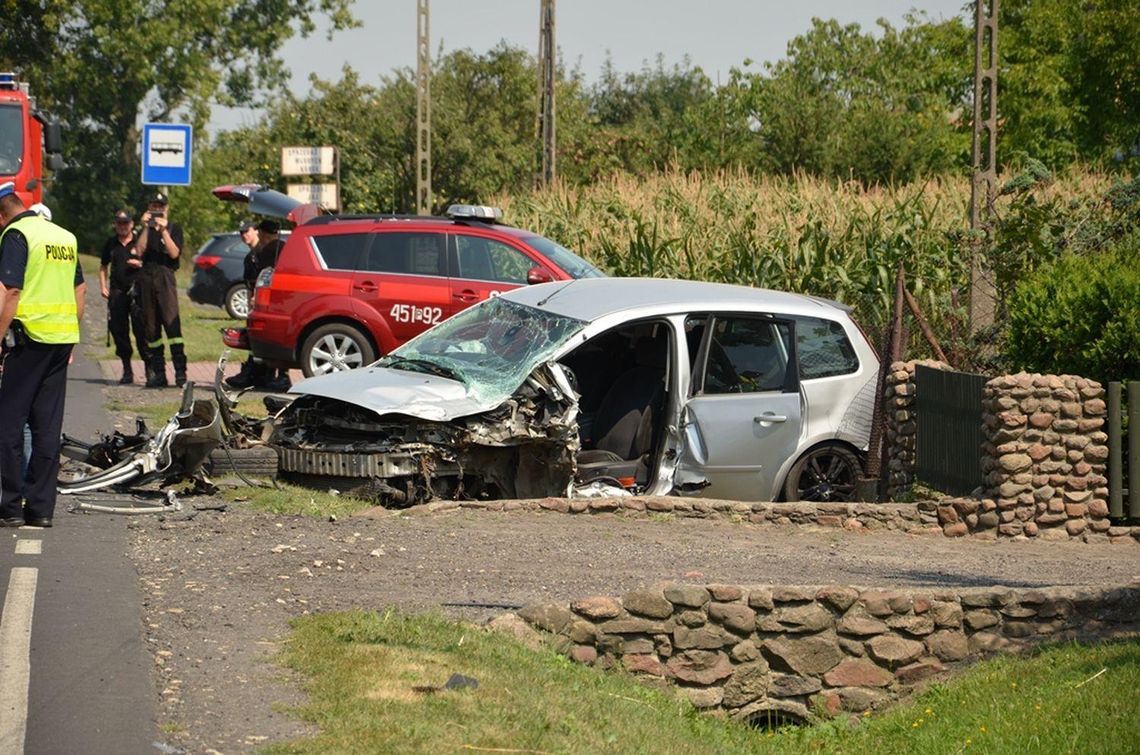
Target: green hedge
[(1080, 315)]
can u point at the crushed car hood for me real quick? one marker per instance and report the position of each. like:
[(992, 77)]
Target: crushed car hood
[(387, 391)]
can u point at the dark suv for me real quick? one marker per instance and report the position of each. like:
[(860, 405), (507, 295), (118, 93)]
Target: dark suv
[(217, 277), (347, 289)]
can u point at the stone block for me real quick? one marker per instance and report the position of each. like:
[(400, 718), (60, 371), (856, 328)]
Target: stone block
[(894, 651), (597, 607), (584, 654), (857, 672), (747, 683), (735, 616), (809, 655), (699, 667), (761, 598), (922, 669), (550, 617), (689, 596), (643, 663), (710, 637), (948, 645), (791, 685), (648, 603), (839, 598), (725, 593)]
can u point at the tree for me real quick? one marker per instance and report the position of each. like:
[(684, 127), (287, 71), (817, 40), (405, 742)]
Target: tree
[(855, 105), (101, 64)]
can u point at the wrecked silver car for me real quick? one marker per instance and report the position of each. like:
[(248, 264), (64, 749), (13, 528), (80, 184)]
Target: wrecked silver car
[(651, 386)]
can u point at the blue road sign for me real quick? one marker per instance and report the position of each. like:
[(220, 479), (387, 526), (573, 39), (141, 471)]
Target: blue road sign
[(167, 150)]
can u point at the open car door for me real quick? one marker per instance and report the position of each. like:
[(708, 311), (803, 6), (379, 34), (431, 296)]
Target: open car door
[(744, 416)]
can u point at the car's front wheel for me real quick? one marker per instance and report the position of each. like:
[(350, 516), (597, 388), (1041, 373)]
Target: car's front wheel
[(828, 472), (334, 348), (237, 301)]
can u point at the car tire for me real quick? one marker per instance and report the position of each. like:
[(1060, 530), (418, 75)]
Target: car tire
[(237, 301), (828, 472), (334, 348)]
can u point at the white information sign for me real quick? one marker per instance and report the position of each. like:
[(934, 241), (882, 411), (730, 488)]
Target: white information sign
[(325, 195), (308, 161)]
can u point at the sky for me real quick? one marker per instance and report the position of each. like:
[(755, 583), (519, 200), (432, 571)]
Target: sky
[(715, 34)]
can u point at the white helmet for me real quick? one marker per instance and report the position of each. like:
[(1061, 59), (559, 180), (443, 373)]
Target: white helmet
[(42, 210)]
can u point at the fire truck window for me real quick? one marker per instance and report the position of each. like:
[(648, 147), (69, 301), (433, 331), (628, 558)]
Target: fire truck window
[(11, 139)]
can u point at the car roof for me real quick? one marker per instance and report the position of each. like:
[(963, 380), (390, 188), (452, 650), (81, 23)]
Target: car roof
[(591, 299), (410, 222)]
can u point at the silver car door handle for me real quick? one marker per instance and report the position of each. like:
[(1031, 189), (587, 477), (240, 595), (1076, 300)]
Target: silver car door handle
[(771, 418)]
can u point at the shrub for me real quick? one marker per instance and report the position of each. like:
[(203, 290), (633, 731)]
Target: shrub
[(1080, 314)]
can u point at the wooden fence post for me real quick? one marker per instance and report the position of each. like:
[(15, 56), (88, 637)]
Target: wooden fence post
[(1115, 457)]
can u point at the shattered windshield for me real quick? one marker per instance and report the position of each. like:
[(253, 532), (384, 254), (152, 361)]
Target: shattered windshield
[(490, 348), (11, 139)]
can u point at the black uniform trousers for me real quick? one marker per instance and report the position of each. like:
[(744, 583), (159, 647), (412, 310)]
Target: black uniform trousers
[(124, 317), (158, 301), (32, 389)]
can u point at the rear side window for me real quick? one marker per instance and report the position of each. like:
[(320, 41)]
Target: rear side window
[(407, 254), (490, 260), (824, 349), (340, 251)]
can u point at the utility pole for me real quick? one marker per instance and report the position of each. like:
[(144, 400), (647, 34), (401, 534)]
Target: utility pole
[(423, 110), (546, 52), (983, 291)]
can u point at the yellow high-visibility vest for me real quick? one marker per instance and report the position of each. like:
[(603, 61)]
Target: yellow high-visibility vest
[(47, 307)]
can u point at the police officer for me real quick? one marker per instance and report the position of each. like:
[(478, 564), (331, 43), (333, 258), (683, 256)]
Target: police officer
[(159, 245), (117, 271), (41, 304)]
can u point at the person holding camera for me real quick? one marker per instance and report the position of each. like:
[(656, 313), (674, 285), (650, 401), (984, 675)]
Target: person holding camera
[(116, 278), (41, 304), (157, 252)]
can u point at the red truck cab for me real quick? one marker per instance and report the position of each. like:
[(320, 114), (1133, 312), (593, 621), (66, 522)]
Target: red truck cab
[(25, 135)]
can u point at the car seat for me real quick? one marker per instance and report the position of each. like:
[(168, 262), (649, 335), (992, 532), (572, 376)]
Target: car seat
[(624, 425)]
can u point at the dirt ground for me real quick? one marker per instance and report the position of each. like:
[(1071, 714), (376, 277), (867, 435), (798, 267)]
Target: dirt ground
[(222, 587)]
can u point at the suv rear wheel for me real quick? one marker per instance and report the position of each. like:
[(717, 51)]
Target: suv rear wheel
[(334, 348), (237, 301)]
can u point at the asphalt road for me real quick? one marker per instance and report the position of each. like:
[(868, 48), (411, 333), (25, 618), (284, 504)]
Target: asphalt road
[(85, 674)]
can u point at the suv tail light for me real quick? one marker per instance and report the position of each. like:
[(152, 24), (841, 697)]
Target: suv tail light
[(206, 261), (261, 288)]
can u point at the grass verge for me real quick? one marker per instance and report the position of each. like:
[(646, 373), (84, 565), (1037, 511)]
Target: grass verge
[(290, 500), (363, 671)]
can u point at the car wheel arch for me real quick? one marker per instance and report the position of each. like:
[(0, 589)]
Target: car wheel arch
[(790, 465), (313, 326)]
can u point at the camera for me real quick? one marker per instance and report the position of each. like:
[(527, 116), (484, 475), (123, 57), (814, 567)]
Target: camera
[(150, 223)]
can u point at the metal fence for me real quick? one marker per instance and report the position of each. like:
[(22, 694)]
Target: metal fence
[(1121, 467), (948, 438)]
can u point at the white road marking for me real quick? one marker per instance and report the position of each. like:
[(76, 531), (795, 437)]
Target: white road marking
[(15, 659), (29, 547)]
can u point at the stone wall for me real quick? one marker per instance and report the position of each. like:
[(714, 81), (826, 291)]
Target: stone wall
[(798, 652), (901, 423), (1044, 455), (950, 517)]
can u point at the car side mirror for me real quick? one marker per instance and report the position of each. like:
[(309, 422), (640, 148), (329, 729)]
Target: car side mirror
[(53, 139), (538, 275)]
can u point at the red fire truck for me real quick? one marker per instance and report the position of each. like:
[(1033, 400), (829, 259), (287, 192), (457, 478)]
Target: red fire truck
[(26, 135)]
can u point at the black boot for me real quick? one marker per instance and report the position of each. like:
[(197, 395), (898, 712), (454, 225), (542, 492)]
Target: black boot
[(128, 372), (157, 378), (178, 357), (244, 377)]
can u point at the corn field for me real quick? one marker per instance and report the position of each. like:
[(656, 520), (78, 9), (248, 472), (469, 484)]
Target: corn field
[(836, 240)]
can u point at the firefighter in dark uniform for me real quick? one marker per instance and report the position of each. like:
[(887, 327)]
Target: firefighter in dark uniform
[(159, 245), (117, 272), (41, 304)]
